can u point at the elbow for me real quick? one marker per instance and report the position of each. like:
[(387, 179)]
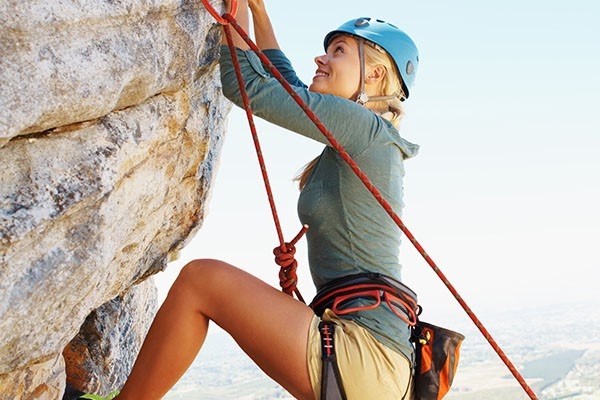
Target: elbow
[(229, 85), (230, 89), (229, 92)]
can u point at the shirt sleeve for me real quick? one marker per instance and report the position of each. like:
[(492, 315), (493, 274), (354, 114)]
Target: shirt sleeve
[(352, 125), (284, 66)]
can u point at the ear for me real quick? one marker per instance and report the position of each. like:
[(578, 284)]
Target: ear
[(375, 74)]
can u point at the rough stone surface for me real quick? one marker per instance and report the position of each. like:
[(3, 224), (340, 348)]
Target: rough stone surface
[(41, 380), (111, 124), (98, 358), (75, 60)]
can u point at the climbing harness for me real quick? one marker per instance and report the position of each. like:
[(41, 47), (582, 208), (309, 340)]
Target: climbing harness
[(373, 287), (289, 273), (437, 349), (339, 295)]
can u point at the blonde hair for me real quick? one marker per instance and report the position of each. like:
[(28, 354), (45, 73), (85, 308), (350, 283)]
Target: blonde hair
[(391, 109)]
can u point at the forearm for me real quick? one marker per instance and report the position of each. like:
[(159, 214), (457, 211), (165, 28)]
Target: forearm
[(243, 19), (263, 29)]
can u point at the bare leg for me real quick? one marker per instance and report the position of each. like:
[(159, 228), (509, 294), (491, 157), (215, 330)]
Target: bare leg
[(270, 326)]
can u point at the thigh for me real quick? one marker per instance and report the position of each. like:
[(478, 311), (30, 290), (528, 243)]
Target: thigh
[(270, 326)]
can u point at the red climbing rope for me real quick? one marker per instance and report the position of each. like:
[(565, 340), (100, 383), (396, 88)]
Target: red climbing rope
[(284, 254), (211, 10), (387, 207)]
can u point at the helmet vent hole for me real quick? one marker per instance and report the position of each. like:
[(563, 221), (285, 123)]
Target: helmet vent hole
[(410, 68), (361, 22)]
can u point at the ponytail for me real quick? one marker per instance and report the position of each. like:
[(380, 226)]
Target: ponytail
[(307, 170)]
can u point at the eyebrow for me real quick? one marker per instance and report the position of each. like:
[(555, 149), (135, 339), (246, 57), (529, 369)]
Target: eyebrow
[(339, 39)]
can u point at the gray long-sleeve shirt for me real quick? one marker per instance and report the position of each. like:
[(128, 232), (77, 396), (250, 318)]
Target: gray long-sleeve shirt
[(349, 232)]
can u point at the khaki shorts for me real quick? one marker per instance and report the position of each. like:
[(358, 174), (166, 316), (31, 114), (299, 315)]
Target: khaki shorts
[(368, 368)]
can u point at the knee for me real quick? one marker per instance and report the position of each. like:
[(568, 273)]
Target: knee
[(198, 274), (198, 282)]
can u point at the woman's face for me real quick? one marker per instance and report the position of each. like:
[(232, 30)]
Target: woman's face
[(338, 71)]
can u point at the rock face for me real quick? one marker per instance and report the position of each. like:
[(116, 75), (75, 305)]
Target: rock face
[(111, 120)]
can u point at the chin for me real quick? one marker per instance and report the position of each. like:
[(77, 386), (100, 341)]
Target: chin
[(315, 88)]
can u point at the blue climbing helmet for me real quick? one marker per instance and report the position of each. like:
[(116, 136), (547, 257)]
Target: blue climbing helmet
[(393, 40)]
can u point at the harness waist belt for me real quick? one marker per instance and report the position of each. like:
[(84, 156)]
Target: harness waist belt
[(375, 287)]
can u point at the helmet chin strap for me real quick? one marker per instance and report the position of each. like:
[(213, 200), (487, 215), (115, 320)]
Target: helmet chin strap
[(362, 98)]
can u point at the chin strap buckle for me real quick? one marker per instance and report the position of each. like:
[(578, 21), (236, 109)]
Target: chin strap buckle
[(362, 98)]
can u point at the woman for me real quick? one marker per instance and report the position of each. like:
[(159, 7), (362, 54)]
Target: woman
[(357, 93)]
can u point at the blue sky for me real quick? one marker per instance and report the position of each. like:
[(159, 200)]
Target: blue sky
[(504, 193)]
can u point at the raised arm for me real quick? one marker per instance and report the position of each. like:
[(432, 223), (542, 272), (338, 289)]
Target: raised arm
[(243, 20), (263, 29)]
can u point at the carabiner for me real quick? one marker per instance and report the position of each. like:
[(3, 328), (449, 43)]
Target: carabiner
[(219, 18)]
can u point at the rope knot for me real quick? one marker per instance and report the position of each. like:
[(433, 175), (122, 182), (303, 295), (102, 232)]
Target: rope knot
[(284, 257)]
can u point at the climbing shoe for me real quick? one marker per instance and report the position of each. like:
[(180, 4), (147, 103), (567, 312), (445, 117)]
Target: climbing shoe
[(111, 396)]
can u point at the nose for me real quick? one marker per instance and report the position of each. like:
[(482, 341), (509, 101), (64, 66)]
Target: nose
[(320, 60)]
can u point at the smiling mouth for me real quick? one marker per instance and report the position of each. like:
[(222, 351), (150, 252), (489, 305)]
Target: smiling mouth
[(320, 74)]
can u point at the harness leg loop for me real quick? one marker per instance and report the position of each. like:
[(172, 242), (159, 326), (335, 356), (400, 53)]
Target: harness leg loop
[(331, 381)]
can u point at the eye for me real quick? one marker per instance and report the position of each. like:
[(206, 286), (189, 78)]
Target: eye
[(338, 48)]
